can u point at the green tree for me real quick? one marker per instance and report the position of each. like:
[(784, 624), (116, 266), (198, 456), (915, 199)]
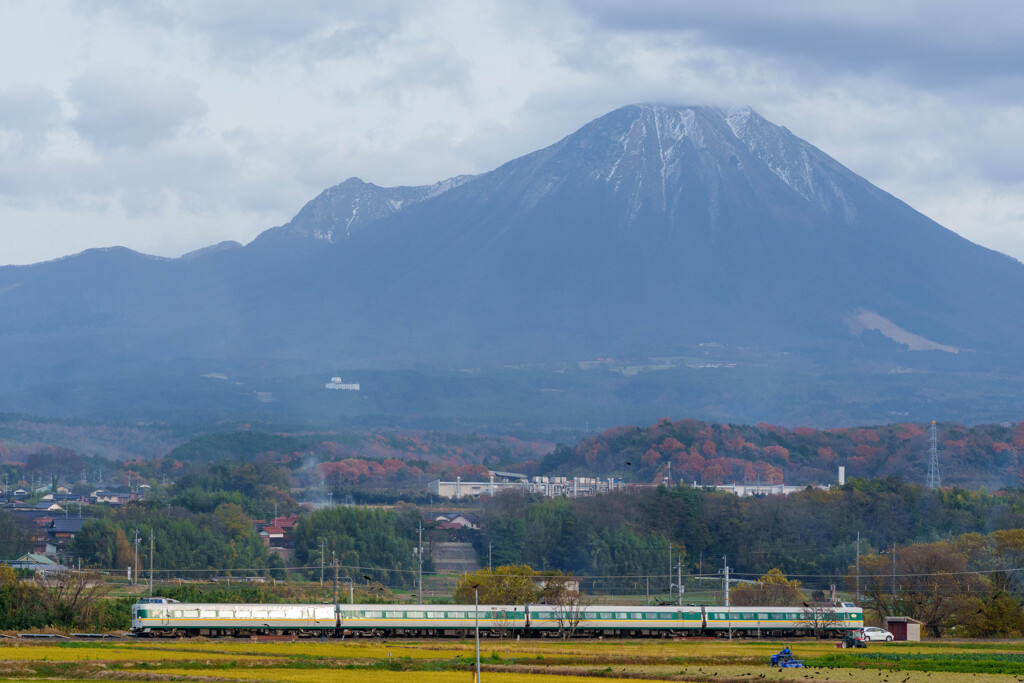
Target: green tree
[(19, 602), (998, 616), (12, 541), (365, 541)]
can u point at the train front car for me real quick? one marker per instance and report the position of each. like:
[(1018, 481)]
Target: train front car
[(164, 617), (149, 613)]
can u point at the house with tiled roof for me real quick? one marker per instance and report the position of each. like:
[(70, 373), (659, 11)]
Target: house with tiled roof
[(273, 536), (36, 562)]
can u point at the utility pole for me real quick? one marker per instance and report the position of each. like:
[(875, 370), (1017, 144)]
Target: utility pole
[(321, 563), (334, 561), (420, 556), (725, 570), (894, 574), (152, 547), (858, 567), (135, 579), (679, 570), (490, 547), (700, 570), (476, 618), (670, 568)]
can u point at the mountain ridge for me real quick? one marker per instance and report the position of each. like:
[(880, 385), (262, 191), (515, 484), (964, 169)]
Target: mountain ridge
[(645, 233)]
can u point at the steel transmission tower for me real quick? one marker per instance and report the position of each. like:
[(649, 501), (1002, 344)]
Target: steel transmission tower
[(934, 479)]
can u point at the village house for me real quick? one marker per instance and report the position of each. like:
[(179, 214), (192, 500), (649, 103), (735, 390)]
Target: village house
[(457, 520)]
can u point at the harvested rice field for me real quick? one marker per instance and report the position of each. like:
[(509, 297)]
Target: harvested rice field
[(544, 661)]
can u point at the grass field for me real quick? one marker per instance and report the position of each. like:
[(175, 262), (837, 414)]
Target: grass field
[(536, 661)]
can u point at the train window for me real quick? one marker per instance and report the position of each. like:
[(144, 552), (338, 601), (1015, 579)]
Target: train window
[(414, 615), (393, 615), (243, 614), (435, 615), (621, 615), (259, 614), (374, 615), (191, 614), (226, 614), (636, 615), (176, 614)]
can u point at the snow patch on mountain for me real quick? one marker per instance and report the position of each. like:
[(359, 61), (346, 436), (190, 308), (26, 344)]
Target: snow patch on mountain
[(802, 167), (339, 211)]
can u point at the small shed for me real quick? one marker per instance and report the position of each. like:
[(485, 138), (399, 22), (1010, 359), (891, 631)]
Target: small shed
[(904, 628)]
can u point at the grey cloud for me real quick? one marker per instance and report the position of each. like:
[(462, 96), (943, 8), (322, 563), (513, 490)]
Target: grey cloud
[(435, 70), (243, 33), (927, 43), (29, 111), (131, 108)]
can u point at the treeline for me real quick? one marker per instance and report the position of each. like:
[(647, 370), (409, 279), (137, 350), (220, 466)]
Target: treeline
[(369, 544), (261, 488), (693, 451), (810, 534), (187, 544)]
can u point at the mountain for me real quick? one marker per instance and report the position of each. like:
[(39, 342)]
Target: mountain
[(709, 237), (340, 211)]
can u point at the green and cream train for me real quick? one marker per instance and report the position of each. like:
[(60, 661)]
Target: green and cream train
[(165, 617)]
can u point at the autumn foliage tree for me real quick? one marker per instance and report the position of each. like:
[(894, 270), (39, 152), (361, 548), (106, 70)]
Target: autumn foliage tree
[(773, 590), (514, 584), (929, 582)]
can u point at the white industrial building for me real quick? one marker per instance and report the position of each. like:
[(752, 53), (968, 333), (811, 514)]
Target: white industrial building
[(509, 481)]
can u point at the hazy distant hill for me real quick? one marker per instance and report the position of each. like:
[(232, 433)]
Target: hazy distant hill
[(654, 231)]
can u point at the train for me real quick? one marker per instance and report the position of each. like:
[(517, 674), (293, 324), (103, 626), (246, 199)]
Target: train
[(166, 617)]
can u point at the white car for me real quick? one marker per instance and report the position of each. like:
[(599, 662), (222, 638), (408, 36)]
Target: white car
[(875, 633)]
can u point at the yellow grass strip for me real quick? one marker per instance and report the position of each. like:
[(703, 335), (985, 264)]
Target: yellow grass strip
[(363, 676), (44, 653)]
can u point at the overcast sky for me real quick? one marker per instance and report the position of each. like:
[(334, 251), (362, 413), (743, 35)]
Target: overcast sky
[(166, 126)]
